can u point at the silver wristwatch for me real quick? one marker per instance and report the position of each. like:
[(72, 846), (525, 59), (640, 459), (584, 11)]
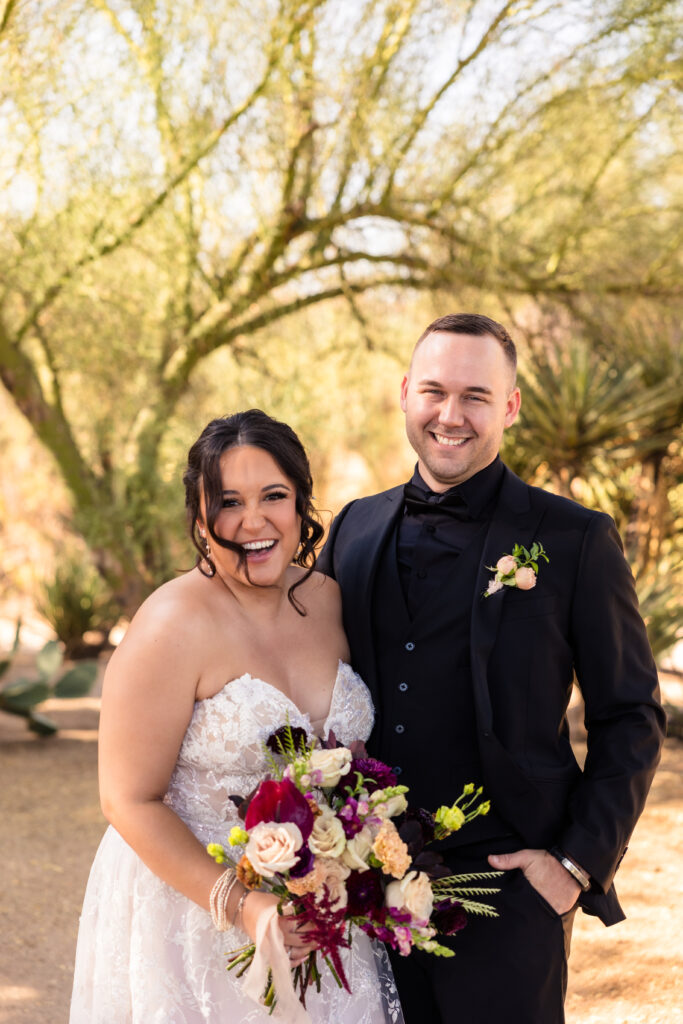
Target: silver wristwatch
[(569, 865)]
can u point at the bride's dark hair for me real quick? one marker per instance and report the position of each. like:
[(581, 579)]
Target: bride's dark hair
[(203, 475)]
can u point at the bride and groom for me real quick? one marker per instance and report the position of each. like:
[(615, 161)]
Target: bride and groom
[(452, 686)]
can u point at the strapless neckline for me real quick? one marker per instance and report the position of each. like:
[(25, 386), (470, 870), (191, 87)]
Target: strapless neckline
[(247, 676)]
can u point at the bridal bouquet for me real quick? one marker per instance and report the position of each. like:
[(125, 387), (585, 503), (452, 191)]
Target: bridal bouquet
[(330, 832)]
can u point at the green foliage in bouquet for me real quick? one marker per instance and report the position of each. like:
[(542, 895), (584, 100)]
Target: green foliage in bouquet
[(22, 696)]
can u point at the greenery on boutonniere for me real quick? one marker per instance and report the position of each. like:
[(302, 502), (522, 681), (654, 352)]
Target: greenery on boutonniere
[(519, 569)]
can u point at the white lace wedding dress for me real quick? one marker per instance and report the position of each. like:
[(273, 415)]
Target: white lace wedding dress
[(148, 955)]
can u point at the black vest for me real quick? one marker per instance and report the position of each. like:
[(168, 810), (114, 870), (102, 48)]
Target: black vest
[(424, 678)]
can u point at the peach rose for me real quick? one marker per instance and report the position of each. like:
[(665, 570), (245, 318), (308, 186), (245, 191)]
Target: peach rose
[(327, 838), (506, 565), (358, 849), (272, 847), (412, 893), (525, 578), (331, 764)]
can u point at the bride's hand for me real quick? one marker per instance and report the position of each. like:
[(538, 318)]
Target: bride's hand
[(296, 943)]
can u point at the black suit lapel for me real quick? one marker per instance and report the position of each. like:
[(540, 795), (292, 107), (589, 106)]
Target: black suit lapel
[(514, 522)]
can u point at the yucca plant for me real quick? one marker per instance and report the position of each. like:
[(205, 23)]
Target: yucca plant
[(22, 696)]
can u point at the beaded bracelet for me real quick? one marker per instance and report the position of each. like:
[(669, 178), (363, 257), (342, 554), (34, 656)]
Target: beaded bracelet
[(237, 916), (218, 899)]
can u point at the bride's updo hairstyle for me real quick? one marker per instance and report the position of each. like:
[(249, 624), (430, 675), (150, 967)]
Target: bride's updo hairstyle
[(203, 476)]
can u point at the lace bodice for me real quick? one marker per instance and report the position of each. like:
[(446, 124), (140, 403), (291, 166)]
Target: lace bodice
[(222, 751)]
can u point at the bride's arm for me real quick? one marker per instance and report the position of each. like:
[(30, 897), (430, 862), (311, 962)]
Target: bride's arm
[(147, 702)]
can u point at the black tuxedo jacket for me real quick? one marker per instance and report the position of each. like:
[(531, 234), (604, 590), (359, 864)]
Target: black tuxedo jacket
[(525, 646)]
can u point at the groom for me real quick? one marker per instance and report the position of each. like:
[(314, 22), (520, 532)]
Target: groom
[(474, 688)]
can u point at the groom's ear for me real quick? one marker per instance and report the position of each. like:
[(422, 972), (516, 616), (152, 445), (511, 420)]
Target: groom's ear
[(404, 392), (514, 402)]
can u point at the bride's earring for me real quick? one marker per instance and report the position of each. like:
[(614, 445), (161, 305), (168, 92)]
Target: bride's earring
[(202, 534)]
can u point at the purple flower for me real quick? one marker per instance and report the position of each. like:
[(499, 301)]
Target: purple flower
[(348, 815), (280, 740), (366, 894), (305, 863), (448, 917), (376, 774)]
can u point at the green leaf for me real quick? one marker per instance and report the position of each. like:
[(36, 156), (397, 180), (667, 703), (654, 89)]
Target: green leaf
[(41, 724), (24, 694), (77, 681), (49, 659), (4, 665)]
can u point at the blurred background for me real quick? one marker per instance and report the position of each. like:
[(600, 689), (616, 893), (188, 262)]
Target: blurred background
[(209, 205)]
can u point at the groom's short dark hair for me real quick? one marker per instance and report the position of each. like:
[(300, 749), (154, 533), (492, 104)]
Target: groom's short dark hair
[(473, 323)]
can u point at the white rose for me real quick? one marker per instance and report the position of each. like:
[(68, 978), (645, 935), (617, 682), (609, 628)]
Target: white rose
[(327, 838), (331, 763), (413, 893), (272, 847), (390, 808), (358, 849), (334, 877)]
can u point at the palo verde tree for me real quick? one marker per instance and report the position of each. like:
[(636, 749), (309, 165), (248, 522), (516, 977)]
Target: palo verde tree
[(178, 177)]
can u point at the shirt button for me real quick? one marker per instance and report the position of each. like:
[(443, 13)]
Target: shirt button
[(410, 646), (397, 769), (403, 687), (400, 728), (422, 575)]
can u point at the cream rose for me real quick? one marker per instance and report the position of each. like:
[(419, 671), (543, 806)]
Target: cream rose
[(413, 893), (332, 764), (334, 876), (391, 807), (327, 838), (525, 578), (358, 849), (272, 847)]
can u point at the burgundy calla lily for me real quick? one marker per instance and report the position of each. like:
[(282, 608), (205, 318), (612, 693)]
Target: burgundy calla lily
[(280, 801)]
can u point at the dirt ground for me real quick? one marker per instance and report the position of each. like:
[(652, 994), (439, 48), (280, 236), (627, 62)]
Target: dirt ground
[(50, 825)]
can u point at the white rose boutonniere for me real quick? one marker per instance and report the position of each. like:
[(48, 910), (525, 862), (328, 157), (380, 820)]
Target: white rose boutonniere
[(519, 569)]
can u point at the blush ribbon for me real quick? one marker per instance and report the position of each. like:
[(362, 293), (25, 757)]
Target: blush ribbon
[(271, 954)]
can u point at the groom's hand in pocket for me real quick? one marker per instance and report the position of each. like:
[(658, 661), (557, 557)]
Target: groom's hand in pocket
[(544, 873)]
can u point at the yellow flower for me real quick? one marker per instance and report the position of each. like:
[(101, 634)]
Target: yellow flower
[(451, 818), (238, 836), (215, 850)]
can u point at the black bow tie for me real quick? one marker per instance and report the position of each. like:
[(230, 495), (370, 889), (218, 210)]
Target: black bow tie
[(448, 504)]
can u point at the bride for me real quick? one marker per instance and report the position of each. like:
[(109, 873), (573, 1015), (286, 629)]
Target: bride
[(212, 663)]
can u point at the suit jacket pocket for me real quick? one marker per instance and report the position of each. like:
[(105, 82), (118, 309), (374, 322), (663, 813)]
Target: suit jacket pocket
[(520, 604)]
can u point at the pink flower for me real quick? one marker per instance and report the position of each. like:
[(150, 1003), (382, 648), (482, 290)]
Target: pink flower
[(506, 565), (525, 578), (493, 587)]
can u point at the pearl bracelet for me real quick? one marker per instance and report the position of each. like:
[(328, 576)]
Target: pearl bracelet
[(218, 899)]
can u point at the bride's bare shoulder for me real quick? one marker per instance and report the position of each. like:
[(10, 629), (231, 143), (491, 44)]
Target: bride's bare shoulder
[(173, 609), (320, 593)]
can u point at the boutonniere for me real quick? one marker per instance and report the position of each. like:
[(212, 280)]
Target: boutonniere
[(519, 569)]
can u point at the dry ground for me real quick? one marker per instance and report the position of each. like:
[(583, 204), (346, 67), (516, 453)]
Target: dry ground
[(50, 825)]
